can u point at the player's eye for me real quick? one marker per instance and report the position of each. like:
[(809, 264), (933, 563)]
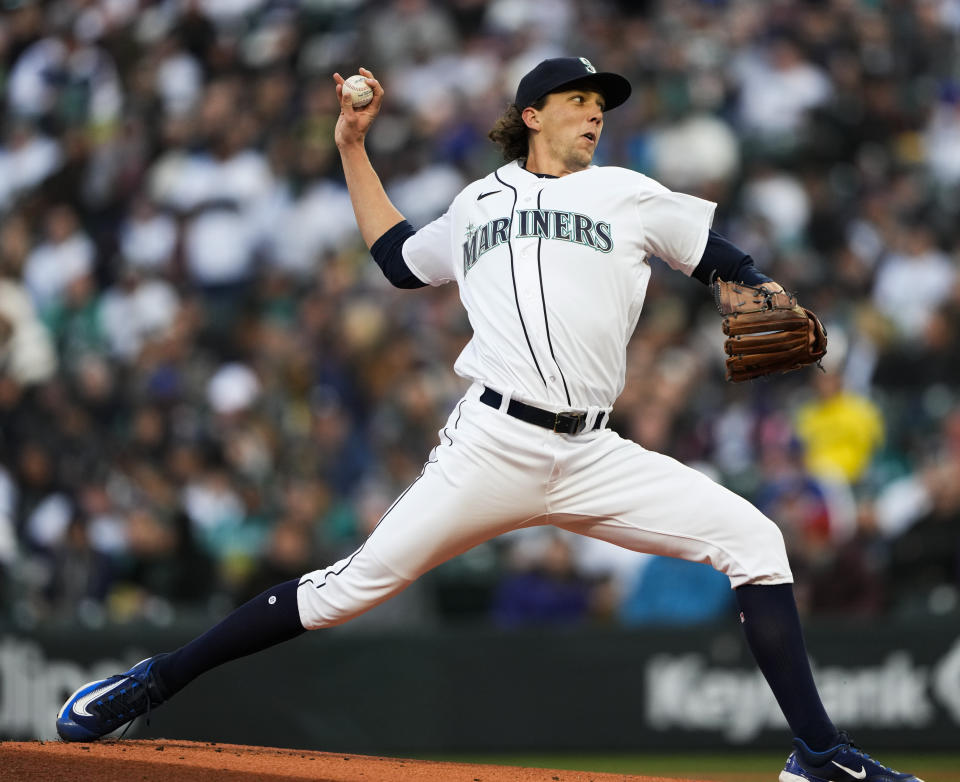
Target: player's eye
[(583, 99)]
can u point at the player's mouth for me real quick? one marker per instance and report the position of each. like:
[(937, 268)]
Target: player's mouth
[(591, 137)]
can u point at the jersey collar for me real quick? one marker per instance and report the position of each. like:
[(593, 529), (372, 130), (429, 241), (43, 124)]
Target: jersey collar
[(514, 173), (541, 176)]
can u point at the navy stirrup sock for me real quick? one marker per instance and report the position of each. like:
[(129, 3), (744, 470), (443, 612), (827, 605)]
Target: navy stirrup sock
[(772, 627), (268, 619)]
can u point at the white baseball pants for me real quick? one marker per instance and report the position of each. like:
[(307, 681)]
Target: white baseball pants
[(492, 473)]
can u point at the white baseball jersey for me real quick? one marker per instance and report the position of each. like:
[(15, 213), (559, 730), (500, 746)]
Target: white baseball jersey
[(553, 273)]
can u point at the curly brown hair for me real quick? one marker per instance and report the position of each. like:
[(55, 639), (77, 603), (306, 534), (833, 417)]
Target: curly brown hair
[(510, 133)]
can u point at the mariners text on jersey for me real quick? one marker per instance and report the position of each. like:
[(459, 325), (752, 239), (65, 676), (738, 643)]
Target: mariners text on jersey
[(483, 239), (566, 226), (537, 223)]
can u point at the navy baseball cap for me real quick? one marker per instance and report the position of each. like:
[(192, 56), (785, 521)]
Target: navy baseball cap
[(558, 72)]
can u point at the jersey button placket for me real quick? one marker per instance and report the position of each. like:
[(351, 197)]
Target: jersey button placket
[(527, 275)]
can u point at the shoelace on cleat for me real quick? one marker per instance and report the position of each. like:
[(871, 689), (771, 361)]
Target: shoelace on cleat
[(121, 705), (864, 755)]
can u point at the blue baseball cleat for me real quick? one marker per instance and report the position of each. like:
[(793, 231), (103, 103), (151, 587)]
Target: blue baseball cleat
[(102, 706), (842, 763)]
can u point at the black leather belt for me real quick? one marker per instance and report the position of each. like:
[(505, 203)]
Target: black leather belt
[(570, 422)]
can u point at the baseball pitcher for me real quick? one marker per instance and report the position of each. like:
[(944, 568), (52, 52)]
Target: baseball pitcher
[(550, 255)]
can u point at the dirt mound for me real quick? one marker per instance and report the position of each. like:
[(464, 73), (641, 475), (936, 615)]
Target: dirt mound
[(188, 761)]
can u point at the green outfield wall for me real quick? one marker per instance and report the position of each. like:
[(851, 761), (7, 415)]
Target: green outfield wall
[(895, 685)]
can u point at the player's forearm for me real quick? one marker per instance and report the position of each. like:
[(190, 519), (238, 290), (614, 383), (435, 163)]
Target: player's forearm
[(374, 212), (722, 260)]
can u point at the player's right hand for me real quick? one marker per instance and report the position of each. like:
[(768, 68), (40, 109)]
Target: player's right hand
[(353, 123)]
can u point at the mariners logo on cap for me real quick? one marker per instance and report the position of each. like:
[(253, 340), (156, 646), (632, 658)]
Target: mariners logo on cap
[(588, 65)]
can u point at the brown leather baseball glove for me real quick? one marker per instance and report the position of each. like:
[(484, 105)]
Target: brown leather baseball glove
[(767, 333)]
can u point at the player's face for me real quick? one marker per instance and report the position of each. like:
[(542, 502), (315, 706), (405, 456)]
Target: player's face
[(571, 123)]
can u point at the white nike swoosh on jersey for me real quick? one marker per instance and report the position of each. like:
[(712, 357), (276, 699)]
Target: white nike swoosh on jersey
[(861, 774), (80, 707)]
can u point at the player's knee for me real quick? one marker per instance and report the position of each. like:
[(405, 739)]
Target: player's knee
[(336, 595)]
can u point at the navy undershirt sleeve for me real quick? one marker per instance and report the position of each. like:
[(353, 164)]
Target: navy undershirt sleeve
[(387, 251), (724, 260)]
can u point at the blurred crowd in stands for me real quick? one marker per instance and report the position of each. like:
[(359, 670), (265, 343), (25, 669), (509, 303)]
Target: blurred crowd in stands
[(207, 387)]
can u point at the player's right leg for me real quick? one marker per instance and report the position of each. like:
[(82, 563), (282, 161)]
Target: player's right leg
[(484, 478)]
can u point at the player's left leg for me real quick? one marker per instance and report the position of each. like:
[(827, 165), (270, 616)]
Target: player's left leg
[(102, 706), (485, 477), (648, 502)]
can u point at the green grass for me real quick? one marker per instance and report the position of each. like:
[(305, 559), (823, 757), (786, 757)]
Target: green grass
[(726, 767)]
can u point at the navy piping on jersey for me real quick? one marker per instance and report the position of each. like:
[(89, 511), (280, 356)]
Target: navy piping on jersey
[(387, 513), (516, 296), (546, 323), (455, 424)]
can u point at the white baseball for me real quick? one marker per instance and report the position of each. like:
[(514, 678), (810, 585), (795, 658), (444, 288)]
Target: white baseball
[(359, 91)]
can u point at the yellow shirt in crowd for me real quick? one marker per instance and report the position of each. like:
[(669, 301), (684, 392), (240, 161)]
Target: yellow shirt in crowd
[(840, 434)]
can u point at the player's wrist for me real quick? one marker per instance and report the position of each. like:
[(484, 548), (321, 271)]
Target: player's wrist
[(351, 144)]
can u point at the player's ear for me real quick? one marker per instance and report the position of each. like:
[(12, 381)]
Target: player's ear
[(531, 118)]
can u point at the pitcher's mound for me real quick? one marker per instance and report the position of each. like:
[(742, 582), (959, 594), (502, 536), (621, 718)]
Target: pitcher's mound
[(190, 761)]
